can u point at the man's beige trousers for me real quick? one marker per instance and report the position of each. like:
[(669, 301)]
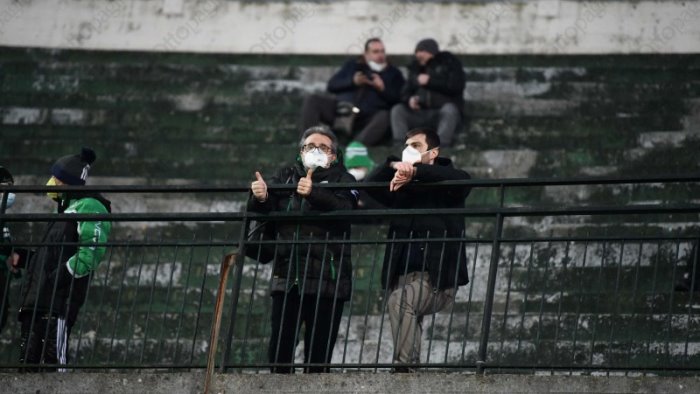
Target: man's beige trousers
[(413, 298)]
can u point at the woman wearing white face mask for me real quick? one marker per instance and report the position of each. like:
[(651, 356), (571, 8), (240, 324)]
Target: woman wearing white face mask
[(312, 279)]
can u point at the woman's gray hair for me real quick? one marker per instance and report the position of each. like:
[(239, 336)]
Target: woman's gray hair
[(323, 130)]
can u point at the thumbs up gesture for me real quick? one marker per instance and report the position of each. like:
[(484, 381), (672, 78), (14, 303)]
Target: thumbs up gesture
[(259, 187), (304, 186)]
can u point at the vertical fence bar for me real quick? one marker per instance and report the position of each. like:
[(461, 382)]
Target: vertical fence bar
[(615, 309), (671, 302), (185, 290), (100, 309), (543, 297), (634, 312), (578, 305), (130, 323), (454, 301), (150, 299), (168, 294), (565, 275), (490, 290), (201, 298), (692, 264), (469, 301), (505, 311), (235, 290)]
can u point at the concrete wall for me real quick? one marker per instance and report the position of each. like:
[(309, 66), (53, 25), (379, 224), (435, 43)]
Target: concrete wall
[(338, 27), (175, 383)]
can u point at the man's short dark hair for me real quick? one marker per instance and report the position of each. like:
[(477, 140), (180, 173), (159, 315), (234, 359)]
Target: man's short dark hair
[(371, 40), (431, 137), (323, 130)]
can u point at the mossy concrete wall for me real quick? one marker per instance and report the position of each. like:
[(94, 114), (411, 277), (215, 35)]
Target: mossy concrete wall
[(190, 383)]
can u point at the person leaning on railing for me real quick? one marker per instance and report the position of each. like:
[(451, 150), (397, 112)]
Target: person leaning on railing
[(422, 275), (57, 273), (312, 279)]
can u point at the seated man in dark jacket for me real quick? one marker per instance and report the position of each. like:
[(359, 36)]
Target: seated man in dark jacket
[(370, 84), (312, 279), (432, 96), (422, 276)]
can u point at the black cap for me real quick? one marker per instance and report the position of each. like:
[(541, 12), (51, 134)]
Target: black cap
[(73, 169), (428, 45)]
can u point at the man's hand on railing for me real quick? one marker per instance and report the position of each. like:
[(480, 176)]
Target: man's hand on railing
[(404, 173), (259, 188)]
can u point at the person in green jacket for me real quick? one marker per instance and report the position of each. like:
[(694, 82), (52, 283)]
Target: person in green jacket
[(57, 274)]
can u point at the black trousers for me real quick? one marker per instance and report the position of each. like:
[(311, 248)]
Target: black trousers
[(44, 340), (320, 329)]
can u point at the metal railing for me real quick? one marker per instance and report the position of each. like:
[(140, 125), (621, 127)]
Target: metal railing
[(597, 295)]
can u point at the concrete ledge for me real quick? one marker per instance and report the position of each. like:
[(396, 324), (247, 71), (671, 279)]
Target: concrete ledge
[(341, 383)]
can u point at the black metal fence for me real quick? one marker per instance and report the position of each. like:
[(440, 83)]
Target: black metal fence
[(557, 287)]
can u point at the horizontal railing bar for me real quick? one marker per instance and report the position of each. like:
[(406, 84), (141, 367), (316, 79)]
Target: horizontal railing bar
[(382, 240), (101, 366), (245, 187), (458, 366), (349, 214)]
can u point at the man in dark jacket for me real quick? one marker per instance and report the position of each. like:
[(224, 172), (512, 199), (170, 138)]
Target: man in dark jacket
[(433, 94), (57, 274), (422, 276), (369, 85), (311, 279)]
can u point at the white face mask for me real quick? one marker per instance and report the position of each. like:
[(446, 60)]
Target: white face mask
[(376, 67), (358, 173), (411, 155), (10, 199), (314, 159)]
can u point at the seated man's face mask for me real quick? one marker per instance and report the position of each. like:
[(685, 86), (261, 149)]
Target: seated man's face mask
[(358, 172)]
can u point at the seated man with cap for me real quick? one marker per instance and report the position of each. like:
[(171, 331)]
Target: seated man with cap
[(432, 96)]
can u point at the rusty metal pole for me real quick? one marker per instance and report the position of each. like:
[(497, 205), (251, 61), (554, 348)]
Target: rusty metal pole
[(228, 261)]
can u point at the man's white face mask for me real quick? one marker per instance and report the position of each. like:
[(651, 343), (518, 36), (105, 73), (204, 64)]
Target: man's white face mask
[(314, 159), (358, 173), (376, 67), (411, 155)]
